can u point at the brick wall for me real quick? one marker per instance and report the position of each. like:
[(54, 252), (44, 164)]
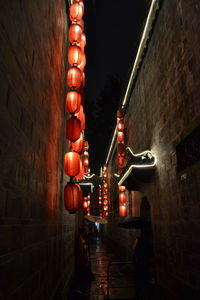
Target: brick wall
[(164, 108), (37, 234)]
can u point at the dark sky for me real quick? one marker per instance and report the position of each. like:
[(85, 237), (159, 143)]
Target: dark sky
[(113, 31)]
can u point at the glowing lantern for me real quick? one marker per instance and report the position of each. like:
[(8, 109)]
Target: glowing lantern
[(100, 202), (121, 161), (76, 12), (86, 170), (85, 145), (105, 207), (74, 55), (73, 129), (75, 33), (72, 197), (121, 149), (86, 162), (86, 154), (105, 202), (72, 164), (74, 77), (78, 145), (81, 116), (85, 204), (122, 198), (120, 125), (122, 188), (120, 114), (73, 102), (120, 137), (105, 213), (105, 197), (122, 211), (80, 23)]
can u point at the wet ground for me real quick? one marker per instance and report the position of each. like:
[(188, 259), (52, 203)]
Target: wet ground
[(122, 283)]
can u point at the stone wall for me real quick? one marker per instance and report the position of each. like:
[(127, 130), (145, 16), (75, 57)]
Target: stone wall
[(164, 108), (37, 234)]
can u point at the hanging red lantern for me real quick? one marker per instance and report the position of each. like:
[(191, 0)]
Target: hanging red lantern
[(106, 213), (120, 137), (105, 202), (100, 202), (74, 77), (121, 161), (120, 113), (85, 204), (122, 188), (72, 164), (80, 23), (85, 145), (73, 102), (86, 154), (105, 196), (73, 129), (74, 55), (121, 149), (120, 125), (122, 211), (86, 170), (105, 185), (81, 116), (75, 32), (86, 162), (76, 12), (71, 197), (122, 198), (78, 145), (105, 207)]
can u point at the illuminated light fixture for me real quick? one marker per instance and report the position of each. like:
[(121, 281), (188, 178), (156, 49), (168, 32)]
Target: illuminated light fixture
[(120, 137), (148, 27), (74, 55), (120, 125), (73, 102), (77, 145), (72, 197), (75, 33), (122, 198), (122, 211), (73, 129), (89, 177), (76, 12), (72, 164), (74, 77)]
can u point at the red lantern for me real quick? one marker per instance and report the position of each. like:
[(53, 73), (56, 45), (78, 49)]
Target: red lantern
[(85, 204), (85, 145), (122, 198), (71, 197), (80, 23), (100, 202), (120, 113), (86, 162), (105, 197), (120, 137), (73, 129), (75, 32), (81, 116), (76, 12), (121, 149), (78, 145), (74, 55), (121, 161), (105, 207), (74, 77), (105, 202), (73, 102), (120, 125), (72, 164), (106, 213), (86, 154), (105, 185), (122, 188), (122, 211), (86, 170)]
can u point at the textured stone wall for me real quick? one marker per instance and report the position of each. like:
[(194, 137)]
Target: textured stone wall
[(37, 234), (164, 108)]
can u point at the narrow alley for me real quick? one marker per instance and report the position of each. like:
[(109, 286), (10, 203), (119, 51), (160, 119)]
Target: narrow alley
[(99, 150)]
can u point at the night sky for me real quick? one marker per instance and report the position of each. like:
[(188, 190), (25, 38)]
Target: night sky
[(113, 30)]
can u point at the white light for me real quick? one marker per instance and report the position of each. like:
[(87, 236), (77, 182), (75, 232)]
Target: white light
[(152, 11), (88, 177)]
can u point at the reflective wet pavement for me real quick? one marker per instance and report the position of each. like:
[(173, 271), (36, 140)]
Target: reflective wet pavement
[(121, 279)]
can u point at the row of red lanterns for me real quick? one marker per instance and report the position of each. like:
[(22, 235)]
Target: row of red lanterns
[(100, 201), (105, 192), (74, 165), (121, 163), (86, 205)]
